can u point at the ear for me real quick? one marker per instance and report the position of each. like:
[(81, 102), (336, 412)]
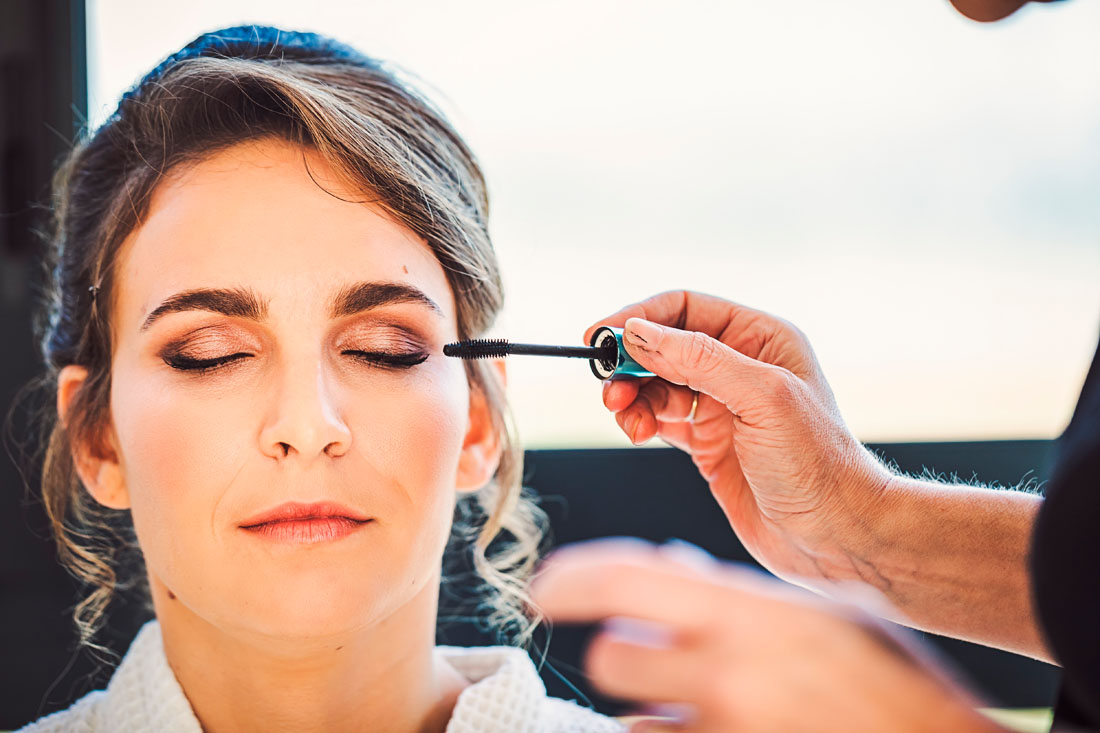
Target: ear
[(481, 449), (101, 474)]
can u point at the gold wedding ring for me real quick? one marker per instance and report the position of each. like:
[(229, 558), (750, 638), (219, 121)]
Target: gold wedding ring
[(694, 404)]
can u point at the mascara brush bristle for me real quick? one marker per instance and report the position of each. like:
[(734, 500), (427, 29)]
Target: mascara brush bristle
[(489, 348), (478, 348)]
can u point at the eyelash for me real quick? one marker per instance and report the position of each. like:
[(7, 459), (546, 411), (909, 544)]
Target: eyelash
[(375, 358)]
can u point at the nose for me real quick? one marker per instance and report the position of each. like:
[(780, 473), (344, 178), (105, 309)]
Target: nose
[(304, 418)]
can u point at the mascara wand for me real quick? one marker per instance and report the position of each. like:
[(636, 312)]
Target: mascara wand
[(606, 355), (488, 348)]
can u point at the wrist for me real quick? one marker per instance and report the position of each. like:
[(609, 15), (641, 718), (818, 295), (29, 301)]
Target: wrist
[(854, 522)]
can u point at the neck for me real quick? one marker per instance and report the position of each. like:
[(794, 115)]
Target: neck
[(385, 677)]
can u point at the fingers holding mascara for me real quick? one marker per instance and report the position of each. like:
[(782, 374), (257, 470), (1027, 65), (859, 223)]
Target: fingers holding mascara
[(619, 393), (677, 434), (654, 403), (658, 407)]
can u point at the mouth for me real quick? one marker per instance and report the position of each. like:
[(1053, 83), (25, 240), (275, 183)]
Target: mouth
[(308, 531), (298, 523), (293, 511)]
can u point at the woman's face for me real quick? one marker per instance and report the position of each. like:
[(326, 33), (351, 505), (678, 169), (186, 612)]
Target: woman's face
[(298, 415)]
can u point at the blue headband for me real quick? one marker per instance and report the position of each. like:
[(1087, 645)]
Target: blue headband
[(259, 42)]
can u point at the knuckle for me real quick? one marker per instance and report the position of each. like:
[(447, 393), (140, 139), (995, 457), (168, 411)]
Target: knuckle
[(789, 384), (789, 327), (657, 395), (622, 416), (799, 337), (778, 382), (783, 389), (786, 325), (646, 399), (700, 349)]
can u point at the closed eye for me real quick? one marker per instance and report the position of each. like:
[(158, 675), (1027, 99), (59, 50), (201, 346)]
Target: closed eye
[(402, 361), (373, 358)]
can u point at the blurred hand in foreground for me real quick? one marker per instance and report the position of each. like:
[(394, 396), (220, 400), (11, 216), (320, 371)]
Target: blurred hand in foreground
[(739, 651)]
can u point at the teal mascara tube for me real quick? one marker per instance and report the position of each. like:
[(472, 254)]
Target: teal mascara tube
[(610, 341), (605, 353)]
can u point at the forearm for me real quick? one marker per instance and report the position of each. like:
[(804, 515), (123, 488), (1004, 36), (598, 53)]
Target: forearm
[(952, 560)]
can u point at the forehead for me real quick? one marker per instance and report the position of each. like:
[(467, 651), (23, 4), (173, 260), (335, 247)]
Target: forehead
[(254, 216)]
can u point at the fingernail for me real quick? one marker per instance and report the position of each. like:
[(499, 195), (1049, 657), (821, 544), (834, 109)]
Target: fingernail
[(641, 332), (671, 714), (639, 631), (687, 552)]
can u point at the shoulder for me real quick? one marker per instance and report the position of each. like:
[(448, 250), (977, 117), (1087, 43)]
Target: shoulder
[(1063, 542), (80, 717), (142, 694), (506, 694)]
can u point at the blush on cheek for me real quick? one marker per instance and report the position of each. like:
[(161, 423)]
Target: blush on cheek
[(413, 439), (179, 446), (178, 455), (417, 432)]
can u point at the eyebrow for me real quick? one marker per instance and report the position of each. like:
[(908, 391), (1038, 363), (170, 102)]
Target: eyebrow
[(243, 303)]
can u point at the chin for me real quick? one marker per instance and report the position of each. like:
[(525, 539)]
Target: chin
[(312, 602)]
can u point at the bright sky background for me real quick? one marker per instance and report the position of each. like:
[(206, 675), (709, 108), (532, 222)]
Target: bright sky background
[(918, 192)]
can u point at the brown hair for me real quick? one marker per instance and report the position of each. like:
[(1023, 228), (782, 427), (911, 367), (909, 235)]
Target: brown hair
[(383, 138)]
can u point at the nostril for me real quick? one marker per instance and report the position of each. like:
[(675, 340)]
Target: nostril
[(286, 449)]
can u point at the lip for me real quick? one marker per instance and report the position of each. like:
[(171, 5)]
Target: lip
[(307, 531), (297, 512)]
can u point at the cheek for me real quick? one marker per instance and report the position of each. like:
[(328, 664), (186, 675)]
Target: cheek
[(179, 452), (406, 445), (412, 435)]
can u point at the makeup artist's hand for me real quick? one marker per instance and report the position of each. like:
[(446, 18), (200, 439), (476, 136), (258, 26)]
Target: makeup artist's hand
[(743, 651), (795, 484)]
